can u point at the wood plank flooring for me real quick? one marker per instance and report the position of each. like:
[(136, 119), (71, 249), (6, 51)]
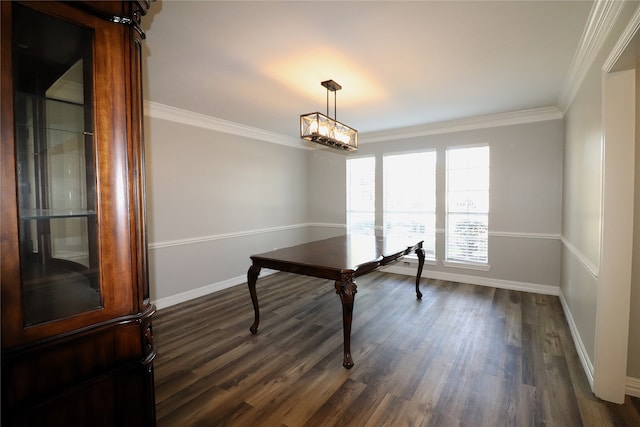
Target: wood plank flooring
[(463, 356)]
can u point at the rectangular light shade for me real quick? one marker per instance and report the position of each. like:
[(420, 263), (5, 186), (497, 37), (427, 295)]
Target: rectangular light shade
[(317, 127)]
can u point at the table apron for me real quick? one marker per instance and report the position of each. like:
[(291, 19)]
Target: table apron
[(305, 270)]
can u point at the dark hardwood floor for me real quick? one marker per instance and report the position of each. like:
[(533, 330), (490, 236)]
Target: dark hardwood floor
[(463, 356)]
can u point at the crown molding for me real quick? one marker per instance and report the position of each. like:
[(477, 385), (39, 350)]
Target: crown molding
[(178, 115), (471, 123), (627, 36), (602, 17), (166, 112)]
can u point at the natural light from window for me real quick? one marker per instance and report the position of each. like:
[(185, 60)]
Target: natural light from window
[(361, 195), (409, 185), (467, 206)]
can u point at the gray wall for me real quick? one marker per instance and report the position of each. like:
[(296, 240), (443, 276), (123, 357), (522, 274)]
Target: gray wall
[(214, 199), (582, 207), (525, 201), (584, 213)]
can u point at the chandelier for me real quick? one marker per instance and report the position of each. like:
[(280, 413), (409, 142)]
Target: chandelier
[(320, 128)]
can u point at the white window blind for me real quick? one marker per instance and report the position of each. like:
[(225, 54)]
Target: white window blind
[(409, 204), (467, 204), (361, 195)]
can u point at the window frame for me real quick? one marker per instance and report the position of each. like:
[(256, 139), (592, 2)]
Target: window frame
[(450, 260), (429, 236)]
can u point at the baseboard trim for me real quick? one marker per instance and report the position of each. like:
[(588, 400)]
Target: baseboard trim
[(633, 387), (587, 366), (205, 290), (407, 271), (475, 280)]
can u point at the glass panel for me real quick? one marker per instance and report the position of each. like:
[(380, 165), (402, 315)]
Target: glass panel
[(467, 204), (468, 201), (55, 164), (467, 237), (409, 206), (361, 195), (418, 225)]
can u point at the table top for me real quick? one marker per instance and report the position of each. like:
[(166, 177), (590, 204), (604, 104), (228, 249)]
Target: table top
[(343, 254)]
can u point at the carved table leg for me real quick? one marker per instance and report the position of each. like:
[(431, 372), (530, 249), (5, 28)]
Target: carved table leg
[(252, 278), (346, 289), (420, 253)]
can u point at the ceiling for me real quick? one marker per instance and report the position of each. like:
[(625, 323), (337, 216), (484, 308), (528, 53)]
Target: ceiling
[(400, 64)]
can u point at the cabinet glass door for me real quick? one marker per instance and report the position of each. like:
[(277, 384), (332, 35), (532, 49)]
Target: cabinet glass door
[(55, 155)]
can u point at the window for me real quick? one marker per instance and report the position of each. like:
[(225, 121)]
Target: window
[(467, 212), (361, 195), (409, 185)]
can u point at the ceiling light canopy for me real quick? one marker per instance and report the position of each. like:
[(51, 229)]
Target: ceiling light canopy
[(320, 128)]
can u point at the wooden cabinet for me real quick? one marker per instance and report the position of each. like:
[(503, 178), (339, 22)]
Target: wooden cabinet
[(77, 343)]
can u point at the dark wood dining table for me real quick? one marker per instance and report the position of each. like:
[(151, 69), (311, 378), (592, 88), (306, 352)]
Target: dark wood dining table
[(340, 259)]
